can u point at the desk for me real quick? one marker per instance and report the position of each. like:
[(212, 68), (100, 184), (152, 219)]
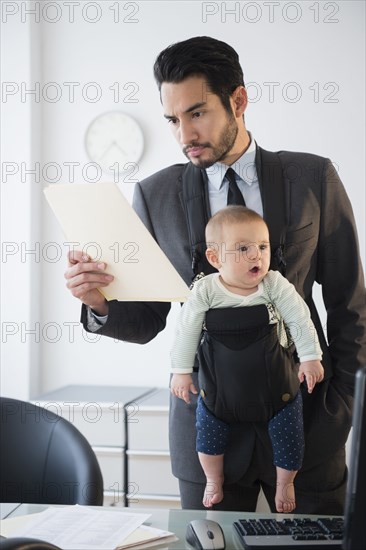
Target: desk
[(176, 521), (6, 509)]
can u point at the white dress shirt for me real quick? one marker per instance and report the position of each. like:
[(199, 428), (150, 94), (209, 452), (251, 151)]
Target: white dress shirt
[(246, 178)]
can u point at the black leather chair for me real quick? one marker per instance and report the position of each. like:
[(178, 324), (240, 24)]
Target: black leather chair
[(20, 543), (44, 458)]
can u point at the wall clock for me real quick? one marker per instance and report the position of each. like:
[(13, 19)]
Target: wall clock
[(113, 140)]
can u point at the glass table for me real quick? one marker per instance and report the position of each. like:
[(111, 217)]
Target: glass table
[(173, 520)]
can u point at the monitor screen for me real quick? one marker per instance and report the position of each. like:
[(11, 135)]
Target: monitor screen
[(355, 515)]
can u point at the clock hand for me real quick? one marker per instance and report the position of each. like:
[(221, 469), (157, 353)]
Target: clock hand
[(114, 144), (120, 148)]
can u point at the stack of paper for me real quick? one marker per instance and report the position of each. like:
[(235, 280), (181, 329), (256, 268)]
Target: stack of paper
[(145, 537), (87, 528)]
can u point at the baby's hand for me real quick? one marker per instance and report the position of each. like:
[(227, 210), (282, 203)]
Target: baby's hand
[(313, 372), (181, 385)]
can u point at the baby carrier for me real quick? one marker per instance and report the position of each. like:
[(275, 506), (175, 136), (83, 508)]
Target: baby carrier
[(245, 375)]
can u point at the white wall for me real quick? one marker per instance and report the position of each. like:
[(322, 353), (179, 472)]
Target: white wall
[(304, 65), (20, 208)]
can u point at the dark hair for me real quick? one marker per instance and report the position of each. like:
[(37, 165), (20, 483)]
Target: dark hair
[(201, 56)]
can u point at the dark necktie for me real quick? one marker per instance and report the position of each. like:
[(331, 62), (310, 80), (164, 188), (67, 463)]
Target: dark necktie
[(234, 195)]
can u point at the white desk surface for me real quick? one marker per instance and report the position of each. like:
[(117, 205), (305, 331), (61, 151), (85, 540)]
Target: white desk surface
[(6, 508)]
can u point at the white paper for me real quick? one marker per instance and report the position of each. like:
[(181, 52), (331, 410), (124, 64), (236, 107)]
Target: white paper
[(101, 220), (82, 528), (9, 526), (147, 537)]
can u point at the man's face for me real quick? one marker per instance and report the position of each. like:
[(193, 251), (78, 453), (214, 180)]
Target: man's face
[(201, 125)]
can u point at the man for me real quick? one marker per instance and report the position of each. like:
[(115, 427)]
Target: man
[(313, 238)]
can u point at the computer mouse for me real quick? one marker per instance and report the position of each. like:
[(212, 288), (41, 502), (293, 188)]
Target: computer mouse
[(205, 534)]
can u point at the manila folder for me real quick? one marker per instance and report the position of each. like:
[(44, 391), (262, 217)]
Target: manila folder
[(97, 219)]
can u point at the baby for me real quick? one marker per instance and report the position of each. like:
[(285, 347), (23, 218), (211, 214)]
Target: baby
[(238, 247)]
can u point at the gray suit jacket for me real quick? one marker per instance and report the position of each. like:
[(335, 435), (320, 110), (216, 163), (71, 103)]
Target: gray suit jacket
[(321, 246)]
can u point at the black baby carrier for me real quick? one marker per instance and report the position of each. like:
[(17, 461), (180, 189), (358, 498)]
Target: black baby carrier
[(245, 375)]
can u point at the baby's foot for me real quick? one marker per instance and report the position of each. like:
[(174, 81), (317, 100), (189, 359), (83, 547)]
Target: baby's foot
[(285, 497), (213, 493)]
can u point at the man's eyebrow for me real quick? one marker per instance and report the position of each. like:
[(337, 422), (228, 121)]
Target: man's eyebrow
[(190, 109)]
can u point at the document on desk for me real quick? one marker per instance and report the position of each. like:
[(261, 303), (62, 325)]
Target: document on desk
[(87, 528), (97, 219)]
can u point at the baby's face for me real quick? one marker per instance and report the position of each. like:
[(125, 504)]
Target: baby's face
[(244, 254)]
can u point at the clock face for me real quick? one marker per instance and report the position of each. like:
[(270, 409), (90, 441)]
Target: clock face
[(113, 140)]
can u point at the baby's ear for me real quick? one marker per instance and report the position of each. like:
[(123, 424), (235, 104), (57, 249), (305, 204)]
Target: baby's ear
[(212, 256)]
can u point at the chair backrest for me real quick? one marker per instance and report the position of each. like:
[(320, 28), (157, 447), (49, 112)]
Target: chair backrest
[(44, 458), (22, 543)]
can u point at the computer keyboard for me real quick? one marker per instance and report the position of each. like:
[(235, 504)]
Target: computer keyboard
[(290, 534)]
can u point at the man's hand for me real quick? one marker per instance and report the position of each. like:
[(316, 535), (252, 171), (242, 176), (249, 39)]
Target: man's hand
[(84, 277), (181, 385), (313, 372)]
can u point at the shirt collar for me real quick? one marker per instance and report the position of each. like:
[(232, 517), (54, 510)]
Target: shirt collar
[(243, 166)]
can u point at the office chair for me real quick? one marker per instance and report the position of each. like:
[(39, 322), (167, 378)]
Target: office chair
[(20, 543), (44, 459)]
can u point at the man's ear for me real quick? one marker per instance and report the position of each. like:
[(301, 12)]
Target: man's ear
[(240, 100), (212, 257)]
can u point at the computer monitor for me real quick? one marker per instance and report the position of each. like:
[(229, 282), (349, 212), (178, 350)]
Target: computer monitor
[(355, 506)]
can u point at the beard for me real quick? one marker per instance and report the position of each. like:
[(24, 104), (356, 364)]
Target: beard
[(220, 151)]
